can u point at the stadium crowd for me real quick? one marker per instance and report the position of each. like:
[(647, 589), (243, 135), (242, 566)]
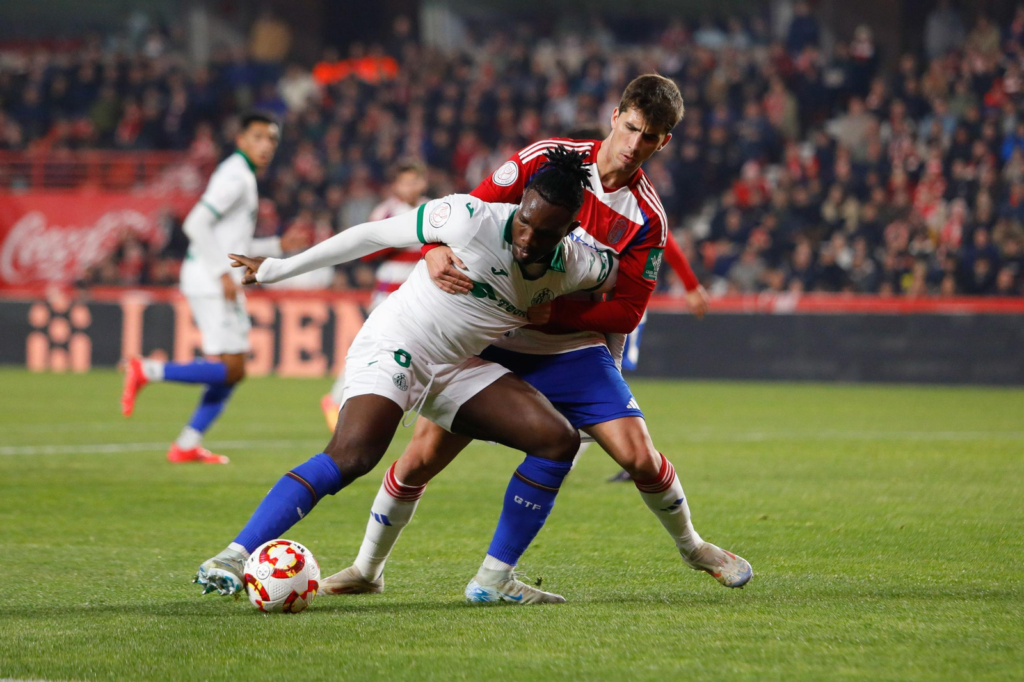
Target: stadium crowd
[(794, 169)]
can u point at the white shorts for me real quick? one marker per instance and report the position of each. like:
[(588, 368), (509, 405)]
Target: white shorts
[(224, 324), (379, 366)]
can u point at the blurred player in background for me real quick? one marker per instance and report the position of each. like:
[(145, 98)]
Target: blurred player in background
[(573, 361), (409, 181), (223, 222)]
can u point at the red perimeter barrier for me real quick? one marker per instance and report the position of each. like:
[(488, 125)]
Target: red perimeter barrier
[(747, 304)]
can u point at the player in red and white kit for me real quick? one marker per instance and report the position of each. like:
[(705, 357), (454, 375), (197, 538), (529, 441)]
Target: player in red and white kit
[(569, 359), (409, 181)]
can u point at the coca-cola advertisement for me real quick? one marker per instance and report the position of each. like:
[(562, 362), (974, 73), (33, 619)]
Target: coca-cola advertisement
[(54, 237)]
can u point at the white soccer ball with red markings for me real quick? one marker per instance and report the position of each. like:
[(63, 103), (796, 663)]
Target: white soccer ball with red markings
[(282, 576)]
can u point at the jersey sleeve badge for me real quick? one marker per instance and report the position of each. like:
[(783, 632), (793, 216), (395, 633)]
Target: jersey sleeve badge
[(506, 174)]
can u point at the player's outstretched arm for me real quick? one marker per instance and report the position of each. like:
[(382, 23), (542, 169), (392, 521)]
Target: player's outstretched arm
[(355, 242)]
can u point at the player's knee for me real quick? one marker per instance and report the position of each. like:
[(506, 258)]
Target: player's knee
[(641, 461), (355, 457), (235, 365), (560, 443)]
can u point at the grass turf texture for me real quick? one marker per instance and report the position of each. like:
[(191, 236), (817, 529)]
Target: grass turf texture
[(884, 525)]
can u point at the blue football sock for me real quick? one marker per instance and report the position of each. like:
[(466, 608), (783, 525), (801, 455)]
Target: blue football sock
[(196, 372), (210, 406), (529, 499), (290, 500)]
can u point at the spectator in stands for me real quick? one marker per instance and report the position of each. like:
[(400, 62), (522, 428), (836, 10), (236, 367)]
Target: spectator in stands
[(817, 171), (943, 31), (803, 29)]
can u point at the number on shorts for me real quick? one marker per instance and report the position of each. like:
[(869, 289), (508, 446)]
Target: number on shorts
[(403, 358)]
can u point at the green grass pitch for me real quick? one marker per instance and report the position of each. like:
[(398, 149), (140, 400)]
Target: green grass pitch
[(885, 526)]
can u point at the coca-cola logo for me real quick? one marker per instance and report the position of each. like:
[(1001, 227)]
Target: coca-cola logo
[(35, 250)]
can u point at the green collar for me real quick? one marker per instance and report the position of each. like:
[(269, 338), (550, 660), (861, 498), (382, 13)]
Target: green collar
[(508, 227), (248, 161), (557, 258)]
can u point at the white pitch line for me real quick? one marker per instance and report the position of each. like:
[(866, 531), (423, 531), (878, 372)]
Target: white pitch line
[(733, 437), (759, 436), (118, 448)]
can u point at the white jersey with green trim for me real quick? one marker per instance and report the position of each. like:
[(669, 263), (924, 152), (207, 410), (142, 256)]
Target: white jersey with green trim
[(232, 199), (441, 327)]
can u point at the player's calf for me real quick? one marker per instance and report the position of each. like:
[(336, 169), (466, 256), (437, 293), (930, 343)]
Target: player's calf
[(664, 496)]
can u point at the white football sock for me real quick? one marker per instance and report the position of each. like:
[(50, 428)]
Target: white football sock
[(235, 547), (665, 497), (492, 564), (392, 509), (153, 370), (189, 438)]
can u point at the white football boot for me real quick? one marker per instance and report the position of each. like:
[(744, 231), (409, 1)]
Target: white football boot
[(351, 581), (490, 586), (723, 566), (222, 573)]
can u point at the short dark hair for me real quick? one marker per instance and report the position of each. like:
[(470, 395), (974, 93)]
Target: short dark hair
[(410, 165), (562, 179), (656, 98), (251, 117)]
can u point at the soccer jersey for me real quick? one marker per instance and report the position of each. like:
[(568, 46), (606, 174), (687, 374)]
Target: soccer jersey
[(447, 329), (398, 263), (629, 222), (232, 198)]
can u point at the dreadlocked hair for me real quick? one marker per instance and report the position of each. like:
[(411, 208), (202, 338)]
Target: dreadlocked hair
[(562, 178)]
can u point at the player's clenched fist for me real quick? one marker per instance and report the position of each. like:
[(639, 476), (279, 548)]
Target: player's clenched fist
[(251, 265)]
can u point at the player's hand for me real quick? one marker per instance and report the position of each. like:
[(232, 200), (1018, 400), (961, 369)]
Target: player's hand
[(443, 266), (251, 265), (698, 301), (539, 314), (230, 288)]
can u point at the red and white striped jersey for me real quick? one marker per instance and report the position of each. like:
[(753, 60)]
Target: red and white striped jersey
[(629, 221), (398, 264)]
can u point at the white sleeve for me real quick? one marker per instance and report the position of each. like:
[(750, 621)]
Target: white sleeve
[(199, 228), (452, 220), (594, 271), (353, 243)]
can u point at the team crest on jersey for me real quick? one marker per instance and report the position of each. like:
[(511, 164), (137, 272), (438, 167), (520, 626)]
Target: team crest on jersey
[(401, 381), (542, 297), (440, 215), (506, 175), (617, 230)]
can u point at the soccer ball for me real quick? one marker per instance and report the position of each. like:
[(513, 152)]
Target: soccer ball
[(282, 576)]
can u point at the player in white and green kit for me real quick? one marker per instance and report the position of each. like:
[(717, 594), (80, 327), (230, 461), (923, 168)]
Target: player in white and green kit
[(417, 351), (222, 222)]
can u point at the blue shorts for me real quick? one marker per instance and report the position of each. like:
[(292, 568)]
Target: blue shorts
[(584, 385)]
